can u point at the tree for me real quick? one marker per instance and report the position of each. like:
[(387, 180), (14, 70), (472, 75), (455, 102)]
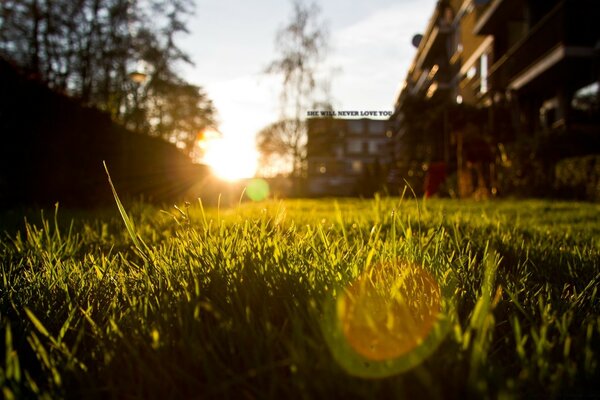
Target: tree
[(88, 48), (178, 112), (74, 46), (283, 142), (301, 45)]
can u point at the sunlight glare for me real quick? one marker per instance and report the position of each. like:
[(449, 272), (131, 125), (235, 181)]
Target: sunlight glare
[(229, 160)]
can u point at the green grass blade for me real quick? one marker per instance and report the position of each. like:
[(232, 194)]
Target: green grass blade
[(128, 221), (36, 322)]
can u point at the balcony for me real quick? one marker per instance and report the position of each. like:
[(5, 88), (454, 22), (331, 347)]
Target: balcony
[(567, 31), (434, 43), (494, 16)]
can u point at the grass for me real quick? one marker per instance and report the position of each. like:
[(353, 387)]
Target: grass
[(248, 302)]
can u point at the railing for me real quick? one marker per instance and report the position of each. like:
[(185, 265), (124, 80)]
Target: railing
[(568, 23)]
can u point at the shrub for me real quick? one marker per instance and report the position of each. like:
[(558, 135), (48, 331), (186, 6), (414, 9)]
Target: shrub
[(579, 177)]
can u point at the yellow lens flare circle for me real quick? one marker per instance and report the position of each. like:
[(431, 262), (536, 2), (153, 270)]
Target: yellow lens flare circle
[(382, 320), (389, 319)]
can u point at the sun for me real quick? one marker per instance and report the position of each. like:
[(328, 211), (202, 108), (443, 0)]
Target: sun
[(229, 160)]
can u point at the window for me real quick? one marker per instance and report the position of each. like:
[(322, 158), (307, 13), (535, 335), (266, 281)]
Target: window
[(586, 98), (585, 104), (338, 151), (354, 146), (355, 126), (484, 73), (376, 127), (373, 148)]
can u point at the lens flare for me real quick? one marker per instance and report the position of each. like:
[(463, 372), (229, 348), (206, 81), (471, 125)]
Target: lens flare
[(388, 320), (382, 322), (257, 189)]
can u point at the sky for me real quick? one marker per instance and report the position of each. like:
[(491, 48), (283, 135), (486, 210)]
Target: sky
[(232, 41)]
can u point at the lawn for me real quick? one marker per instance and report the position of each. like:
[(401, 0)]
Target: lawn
[(381, 298)]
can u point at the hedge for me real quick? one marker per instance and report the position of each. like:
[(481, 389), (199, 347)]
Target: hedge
[(579, 177)]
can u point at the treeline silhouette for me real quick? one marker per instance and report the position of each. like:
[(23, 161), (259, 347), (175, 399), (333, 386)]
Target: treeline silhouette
[(53, 147), (120, 56)]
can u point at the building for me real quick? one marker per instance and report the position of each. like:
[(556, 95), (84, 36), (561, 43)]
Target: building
[(347, 157), (491, 72), (421, 135), (545, 54)]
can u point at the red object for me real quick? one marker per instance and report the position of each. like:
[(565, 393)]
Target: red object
[(436, 175)]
